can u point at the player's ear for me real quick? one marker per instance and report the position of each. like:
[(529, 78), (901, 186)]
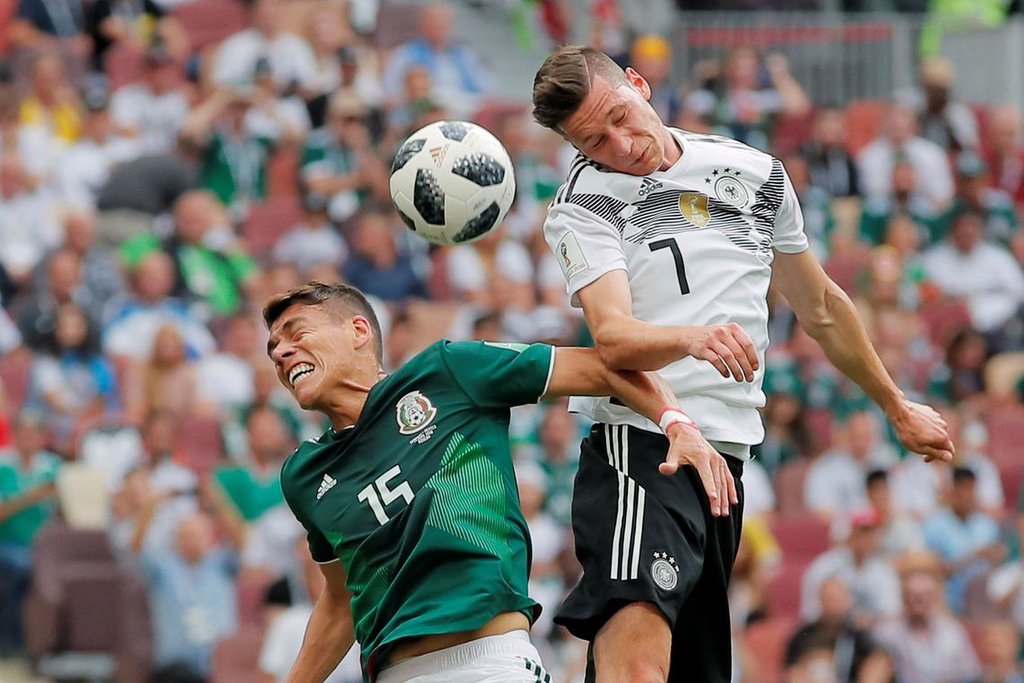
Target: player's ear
[(362, 331), (634, 78)]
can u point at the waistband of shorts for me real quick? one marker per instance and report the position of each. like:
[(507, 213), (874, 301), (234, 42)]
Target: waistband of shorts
[(434, 663)]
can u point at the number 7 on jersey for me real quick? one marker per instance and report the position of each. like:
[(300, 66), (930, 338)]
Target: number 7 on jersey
[(677, 256)]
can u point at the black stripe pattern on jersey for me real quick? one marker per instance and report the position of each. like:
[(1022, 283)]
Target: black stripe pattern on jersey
[(752, 231)]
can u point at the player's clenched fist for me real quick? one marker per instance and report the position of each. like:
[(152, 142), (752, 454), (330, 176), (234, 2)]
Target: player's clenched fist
[(727, 347)]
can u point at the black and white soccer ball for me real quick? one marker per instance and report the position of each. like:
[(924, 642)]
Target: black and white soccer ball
[(452, 182)]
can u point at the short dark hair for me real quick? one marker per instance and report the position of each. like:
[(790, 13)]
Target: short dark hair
[(875, 477), (963, 474), (315, 293), (564, 79)]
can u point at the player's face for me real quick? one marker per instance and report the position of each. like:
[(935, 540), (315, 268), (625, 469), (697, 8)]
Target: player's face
[(312, 351), (617, 127)]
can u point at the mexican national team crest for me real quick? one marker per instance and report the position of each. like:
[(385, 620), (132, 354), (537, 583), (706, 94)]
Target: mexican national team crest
[(414, 411), (694, 207), (664, 571)]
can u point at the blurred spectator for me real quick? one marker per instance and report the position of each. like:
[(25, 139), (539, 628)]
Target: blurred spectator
[(378, 265), (27, 487), (831, 166), (786, 435), (37, 312), (834, 487), (903, 200), (900, 532), (986, 276), (872, 581), (46, 24), (944, 120), (340, 162), (1004, 149), (291, 60), (254, 487), (154, 109), (86, 166), (967, 539), (816, 204), (458, 77), (416, 100), (154, 496), (974, 194), (31, 143), (73, 382), (225, 378), (559, 458), (960, 379), (651, 56), (132, 327), (99, 271), (234, 158), (166, 381), (496, 274), (928, 645), (899, 143), (548, 539), (192, 595), (212, 268), (28, 224), (998, 650), (52, 102), (140, 189), (134, 25), (836, 630), (282, 119), (971, 438), (285, 630), (744, 100), (314, 240), (344, 65)]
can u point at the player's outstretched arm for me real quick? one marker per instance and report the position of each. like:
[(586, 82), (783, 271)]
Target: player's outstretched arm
[(827, 314), (626, 343), (581, 372), (329, 634)]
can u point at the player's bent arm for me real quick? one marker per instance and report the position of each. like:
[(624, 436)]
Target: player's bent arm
[(828, 315), (626, 343), (329, 634)]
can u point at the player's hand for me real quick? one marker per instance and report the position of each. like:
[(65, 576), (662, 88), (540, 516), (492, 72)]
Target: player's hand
[(922, 430), (687, 446), (727, 347)]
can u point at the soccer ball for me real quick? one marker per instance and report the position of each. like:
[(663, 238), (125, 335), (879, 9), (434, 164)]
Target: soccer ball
[(452, 182)]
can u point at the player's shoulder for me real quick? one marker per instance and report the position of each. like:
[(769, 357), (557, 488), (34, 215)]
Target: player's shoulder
[(587, 178), (728, 155)]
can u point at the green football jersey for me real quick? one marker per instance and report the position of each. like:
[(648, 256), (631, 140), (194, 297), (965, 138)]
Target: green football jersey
[(418, 499)]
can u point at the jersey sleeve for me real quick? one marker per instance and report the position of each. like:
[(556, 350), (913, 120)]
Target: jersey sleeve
[(320, 549), (585, 246), (496, 375), (790, 237)]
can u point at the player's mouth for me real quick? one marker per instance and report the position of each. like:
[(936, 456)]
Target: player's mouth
[(299, 372)]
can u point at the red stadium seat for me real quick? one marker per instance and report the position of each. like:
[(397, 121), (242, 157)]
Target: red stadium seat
[(201, 444), (944, 319), (397, 22), (252, 587), (766, 644), (789, 487), (1006, 434), (268, 221), (236, 659), (210, 21), (283, 173), (784, 590), (801, 538), (863, 123), (845, 267)]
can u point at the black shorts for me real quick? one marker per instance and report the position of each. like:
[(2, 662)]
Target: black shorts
[(645, 537)]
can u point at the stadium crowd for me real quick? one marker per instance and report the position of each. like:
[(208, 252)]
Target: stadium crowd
[(166, 165)]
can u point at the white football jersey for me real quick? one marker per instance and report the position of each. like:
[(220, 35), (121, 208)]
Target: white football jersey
[(696, 242)]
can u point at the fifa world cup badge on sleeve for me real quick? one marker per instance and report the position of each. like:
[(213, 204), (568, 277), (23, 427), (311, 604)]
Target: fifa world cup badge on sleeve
[(570, 256)]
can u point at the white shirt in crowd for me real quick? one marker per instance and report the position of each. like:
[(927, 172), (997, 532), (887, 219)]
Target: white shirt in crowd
[(86, 166), (28, 230), (988, 278), (223, 380), (306, 247), (934, 178), (156, 118), (283, 641), (291, 59), (874, 585)]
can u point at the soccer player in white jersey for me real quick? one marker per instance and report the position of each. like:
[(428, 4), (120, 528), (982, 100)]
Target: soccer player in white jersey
[(655, 229)]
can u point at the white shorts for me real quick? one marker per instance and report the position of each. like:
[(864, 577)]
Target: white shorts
[(508, 658)]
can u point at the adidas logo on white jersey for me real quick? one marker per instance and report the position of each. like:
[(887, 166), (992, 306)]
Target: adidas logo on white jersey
[(648, 186), (326, 484)]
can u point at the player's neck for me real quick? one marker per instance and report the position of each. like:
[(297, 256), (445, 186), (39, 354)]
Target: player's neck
[(347, 401), (673, 151)]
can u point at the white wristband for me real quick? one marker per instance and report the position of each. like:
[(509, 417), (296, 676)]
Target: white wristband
[(670, 416)]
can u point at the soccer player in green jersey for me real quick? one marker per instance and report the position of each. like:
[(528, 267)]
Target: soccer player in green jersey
[(409, 499)]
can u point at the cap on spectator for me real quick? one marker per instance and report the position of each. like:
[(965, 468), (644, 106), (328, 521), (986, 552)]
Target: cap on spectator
[(970, 165), (865, 518), (651, 46), (262, 68), (157, 55), (344, 104)]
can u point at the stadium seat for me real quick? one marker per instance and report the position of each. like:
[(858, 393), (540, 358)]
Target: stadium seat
[(252, 589), (210, 21), (766, 644), (944, 318), (844, 268), (1006, 434), (863, 123), (397, 22), (791, 131), (1011, 472), (801, 538), (236, 659), (201, 444), (283, 173), (784, 590), (819, 425), (268, 221), (789, 487), (123, 65)]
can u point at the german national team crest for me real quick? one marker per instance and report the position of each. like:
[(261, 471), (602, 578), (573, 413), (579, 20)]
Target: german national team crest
[(730, 190), (414, 411), (665, 571), (694, 207)]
